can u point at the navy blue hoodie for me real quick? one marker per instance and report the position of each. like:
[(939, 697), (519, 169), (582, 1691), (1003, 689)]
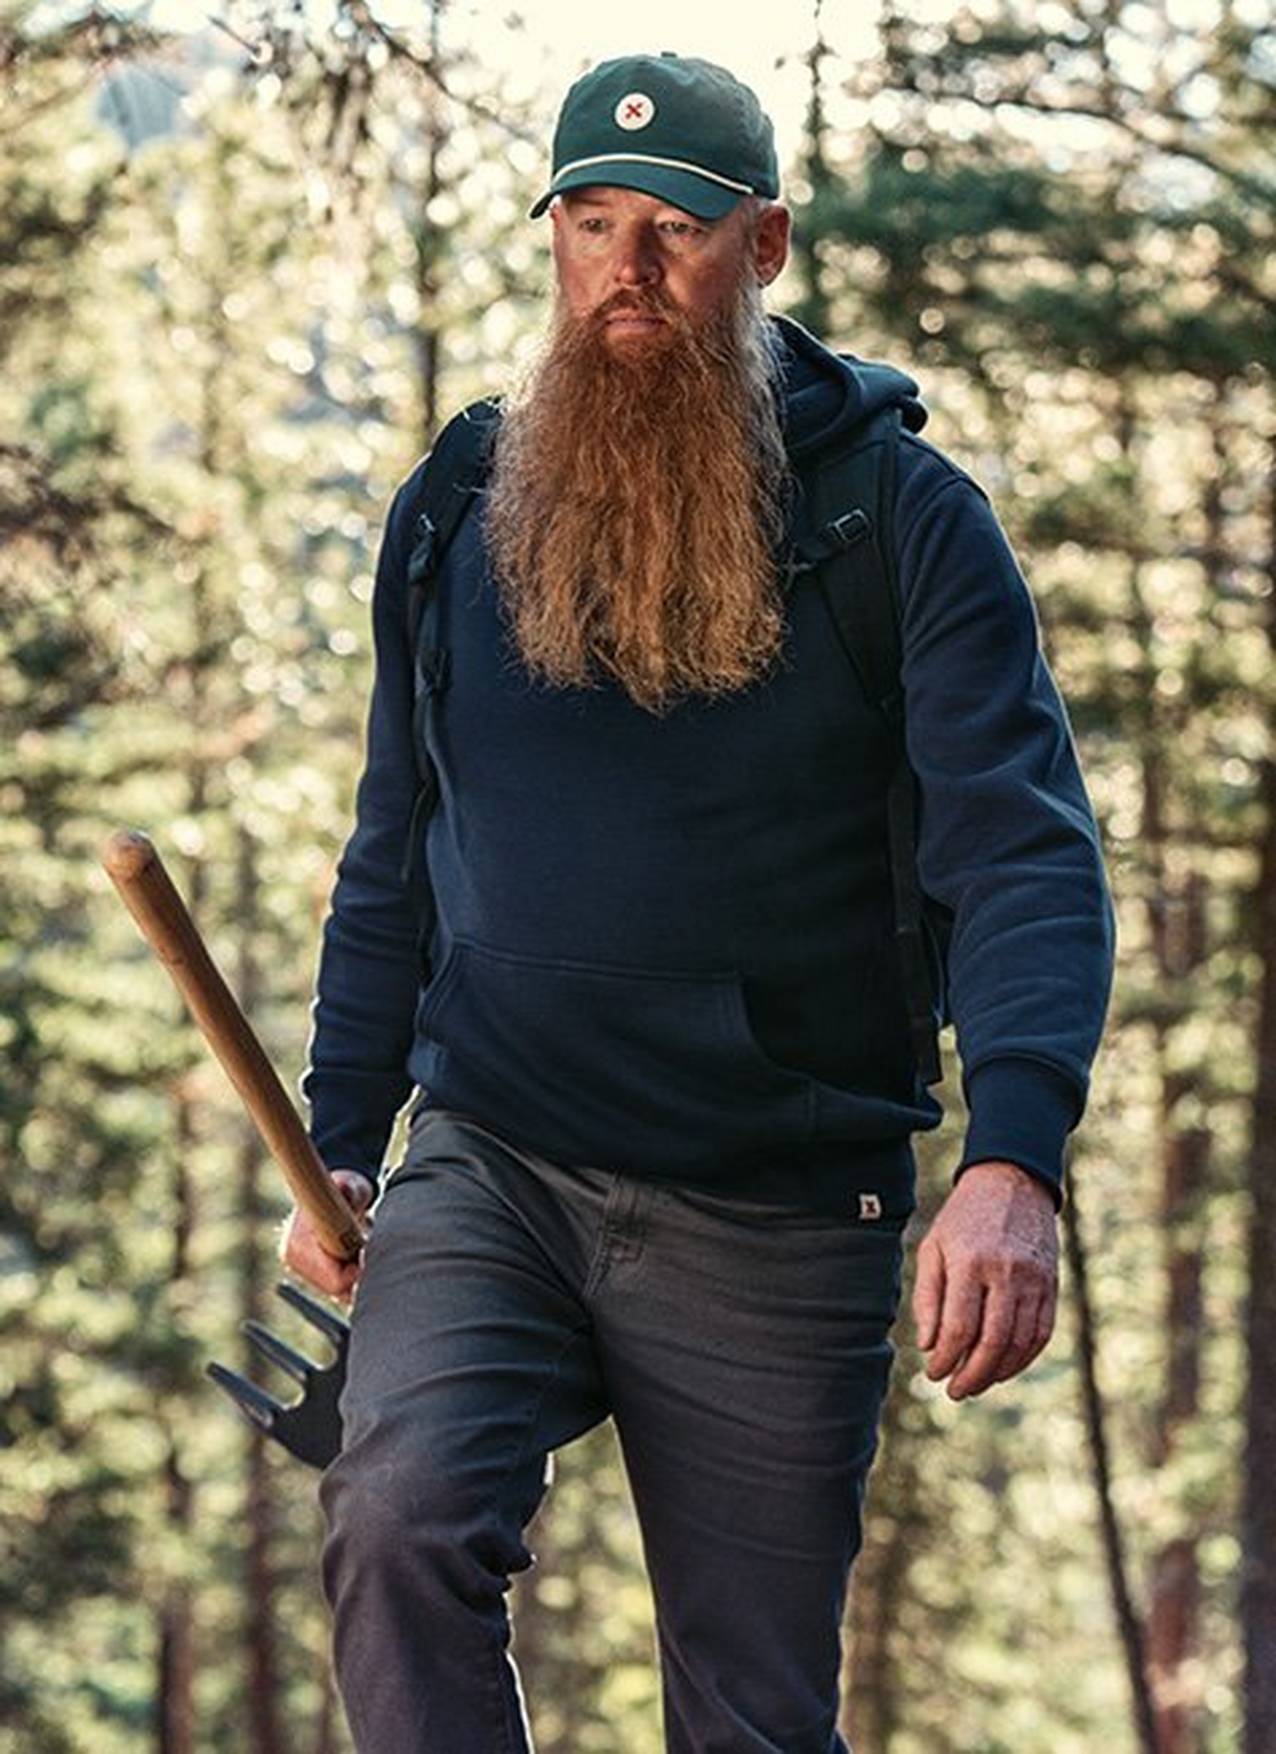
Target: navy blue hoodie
[(664, 944)]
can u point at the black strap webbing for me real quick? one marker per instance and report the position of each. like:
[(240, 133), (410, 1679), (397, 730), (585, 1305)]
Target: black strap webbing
[(453, 472), (847, 537), (454, 469)]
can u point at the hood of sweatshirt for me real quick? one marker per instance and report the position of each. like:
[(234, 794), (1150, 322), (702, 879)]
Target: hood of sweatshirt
[(828, 393)]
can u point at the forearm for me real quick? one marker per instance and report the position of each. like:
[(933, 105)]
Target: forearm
[(1007, 839), (368, 976), (366, 990)]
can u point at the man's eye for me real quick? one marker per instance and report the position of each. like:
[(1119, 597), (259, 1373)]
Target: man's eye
[(680, 228)]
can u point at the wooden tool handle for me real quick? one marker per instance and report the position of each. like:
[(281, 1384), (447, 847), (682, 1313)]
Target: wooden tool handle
[(137, 871)]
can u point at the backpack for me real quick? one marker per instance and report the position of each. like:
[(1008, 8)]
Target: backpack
[(845, 536)]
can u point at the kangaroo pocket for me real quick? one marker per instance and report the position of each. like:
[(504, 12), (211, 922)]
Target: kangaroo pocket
[(654, 1071)]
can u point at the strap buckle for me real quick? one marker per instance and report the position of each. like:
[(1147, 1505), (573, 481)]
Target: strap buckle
[(850, 528), (433, 667), (421, 561), (835, 537)]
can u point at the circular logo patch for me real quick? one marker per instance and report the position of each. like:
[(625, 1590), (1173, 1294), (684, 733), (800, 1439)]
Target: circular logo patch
[(634, 110)]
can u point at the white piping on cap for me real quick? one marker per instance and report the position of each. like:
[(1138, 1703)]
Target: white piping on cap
[(673, 164)]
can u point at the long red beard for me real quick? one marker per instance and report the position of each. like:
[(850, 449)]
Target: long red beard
[(636, 504)]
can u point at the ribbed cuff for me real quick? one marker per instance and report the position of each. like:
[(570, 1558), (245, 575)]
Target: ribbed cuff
[(1021, 1112)]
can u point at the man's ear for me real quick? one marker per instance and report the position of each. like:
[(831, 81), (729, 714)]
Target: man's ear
[(771, 241)]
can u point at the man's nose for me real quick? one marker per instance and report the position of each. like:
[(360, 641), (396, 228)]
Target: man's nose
[(637, 261)]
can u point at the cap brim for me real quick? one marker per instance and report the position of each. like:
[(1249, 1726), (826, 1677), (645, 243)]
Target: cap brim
[(698, 196)]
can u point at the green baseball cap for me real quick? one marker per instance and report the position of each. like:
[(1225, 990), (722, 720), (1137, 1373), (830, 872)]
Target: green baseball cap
[(672, 126)]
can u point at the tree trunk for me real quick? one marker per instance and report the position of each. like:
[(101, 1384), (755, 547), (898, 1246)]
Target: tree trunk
[(895, 1530), (175, 1681), (1128, 1627), (260, 1513), (326, 1731), (1258, 1522), (265, 1736), (175, 1700), (1179, 943), (814, 307), (176, 1718), (428, 244)]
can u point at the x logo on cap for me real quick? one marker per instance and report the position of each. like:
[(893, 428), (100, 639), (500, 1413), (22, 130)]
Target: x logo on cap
[(635, 110)]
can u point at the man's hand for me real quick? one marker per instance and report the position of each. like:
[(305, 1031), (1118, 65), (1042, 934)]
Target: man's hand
[(987, 1278), (301, 1249)]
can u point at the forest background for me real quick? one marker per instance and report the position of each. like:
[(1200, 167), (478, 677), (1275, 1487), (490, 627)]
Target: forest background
[(252, 255)]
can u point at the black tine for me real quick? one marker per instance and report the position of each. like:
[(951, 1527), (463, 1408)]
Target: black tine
[(279, 1352), (333, 1326), (312, 1428), (254, 1403)]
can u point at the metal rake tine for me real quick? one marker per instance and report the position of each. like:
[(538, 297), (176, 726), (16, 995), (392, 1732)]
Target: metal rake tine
[(255, 1404), (279, 1352), (311, 1428), (333, 1327)]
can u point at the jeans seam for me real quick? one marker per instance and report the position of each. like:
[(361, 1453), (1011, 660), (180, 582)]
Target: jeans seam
[(502, 1681), (606, 1237), (520, 1455), (500, 1652)]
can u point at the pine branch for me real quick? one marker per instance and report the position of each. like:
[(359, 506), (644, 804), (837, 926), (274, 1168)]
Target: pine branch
[(1255, 187), (1023, 98), (428, 66)]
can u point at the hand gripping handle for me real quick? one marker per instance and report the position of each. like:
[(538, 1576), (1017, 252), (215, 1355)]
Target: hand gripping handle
[(137, 871)]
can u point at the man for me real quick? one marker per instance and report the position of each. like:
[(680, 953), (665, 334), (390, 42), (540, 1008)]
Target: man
[(661, 1162)]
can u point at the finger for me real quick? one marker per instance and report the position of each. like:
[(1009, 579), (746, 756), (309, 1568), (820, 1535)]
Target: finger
[(317, 1268), (346, 1279), (1043, 1327), (302, 1252), (997, 1324), (355, 1187), (1045, 1320), (304, 1258), (1023, 1344), (960, 1320), (928, 1294), (299, 1230)]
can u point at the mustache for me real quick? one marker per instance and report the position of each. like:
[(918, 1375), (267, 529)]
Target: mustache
[(651, 303)]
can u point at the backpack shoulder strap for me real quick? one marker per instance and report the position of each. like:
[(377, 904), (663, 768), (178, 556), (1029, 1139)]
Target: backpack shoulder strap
[(449, 479), (848, 505), (847, 538), (453, 469)]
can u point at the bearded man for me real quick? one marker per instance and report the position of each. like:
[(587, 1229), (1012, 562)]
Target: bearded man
[(659, 1166)]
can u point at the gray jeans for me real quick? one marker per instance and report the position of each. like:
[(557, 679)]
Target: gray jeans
[(507, 1305)]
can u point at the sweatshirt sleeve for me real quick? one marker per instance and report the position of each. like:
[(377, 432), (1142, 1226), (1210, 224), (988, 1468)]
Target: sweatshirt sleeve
[(1007, 838), (356, 1078)]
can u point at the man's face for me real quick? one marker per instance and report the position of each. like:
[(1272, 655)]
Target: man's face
[(624, 255)]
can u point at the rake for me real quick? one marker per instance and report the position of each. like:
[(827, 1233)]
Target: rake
[(310, 1428)]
